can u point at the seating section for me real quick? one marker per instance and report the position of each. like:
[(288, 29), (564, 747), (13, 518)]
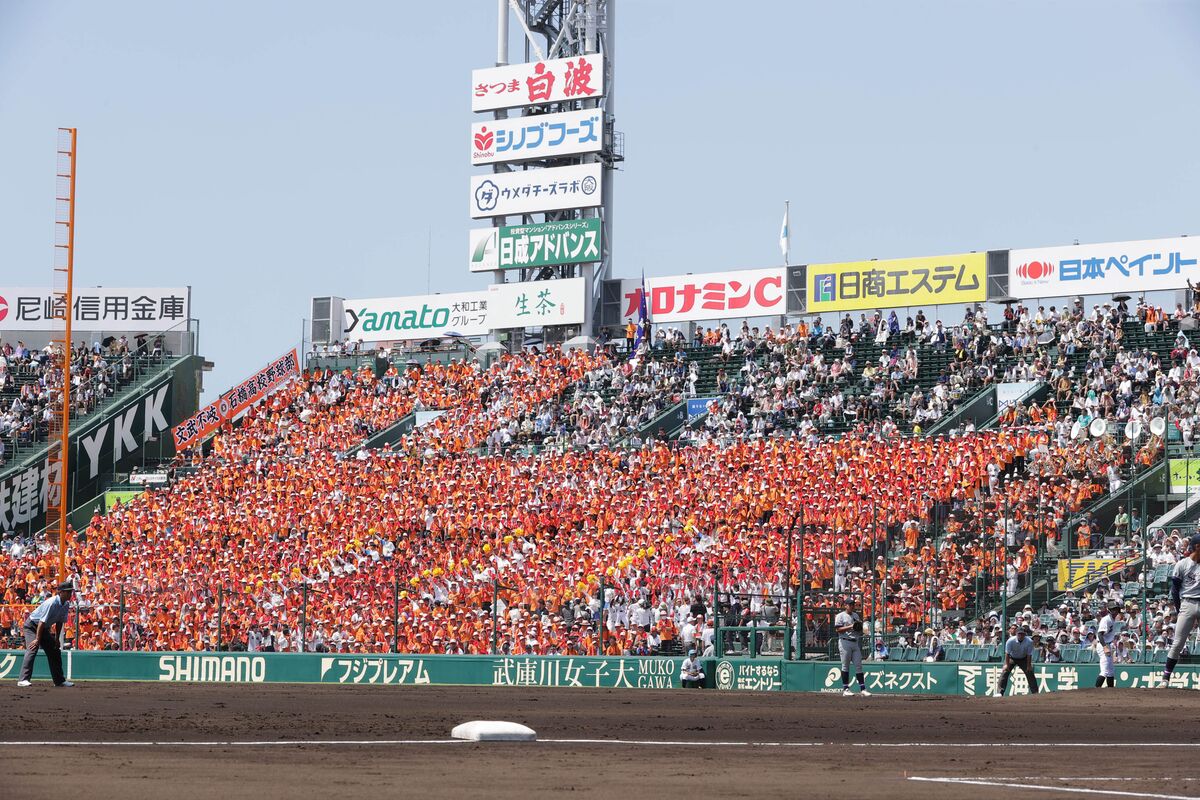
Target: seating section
[(530, 517)]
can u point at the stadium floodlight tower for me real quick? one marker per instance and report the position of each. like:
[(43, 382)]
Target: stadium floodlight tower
[(553, 30)]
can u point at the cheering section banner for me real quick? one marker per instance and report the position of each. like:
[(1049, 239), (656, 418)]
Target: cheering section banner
[(98, 309), (1134, 267), (208, 419), (538, 136), (896, 283), (708, 296), (536, 83), (545, 244), (529, 191)]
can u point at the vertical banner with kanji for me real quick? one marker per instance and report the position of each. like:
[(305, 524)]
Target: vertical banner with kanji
[(208, 419)]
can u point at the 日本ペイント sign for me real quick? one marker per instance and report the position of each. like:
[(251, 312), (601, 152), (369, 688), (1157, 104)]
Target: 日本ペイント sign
[(896, 283), (712, 295), (1148, 265), (543, 244), (528, 191), (537, 136), (535, 83)]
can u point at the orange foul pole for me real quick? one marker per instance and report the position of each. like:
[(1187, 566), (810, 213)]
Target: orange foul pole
[(57, 501)]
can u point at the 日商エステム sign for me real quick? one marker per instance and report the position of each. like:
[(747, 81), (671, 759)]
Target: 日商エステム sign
[(896, 283), (543, 244)]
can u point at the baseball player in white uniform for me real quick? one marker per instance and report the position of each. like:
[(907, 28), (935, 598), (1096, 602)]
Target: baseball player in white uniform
[(849, 627), (1185, 593), (1107, 633)]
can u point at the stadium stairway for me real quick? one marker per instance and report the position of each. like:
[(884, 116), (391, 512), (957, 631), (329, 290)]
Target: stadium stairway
[(147, 369)]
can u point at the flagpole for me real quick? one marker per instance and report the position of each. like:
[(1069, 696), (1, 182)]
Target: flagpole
[(787, 223), (787, 234)]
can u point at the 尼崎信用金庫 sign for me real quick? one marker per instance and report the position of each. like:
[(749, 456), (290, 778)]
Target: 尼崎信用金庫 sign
[(96, 309), (897, 283), (558, 80), (1132, 267), (542, 244)]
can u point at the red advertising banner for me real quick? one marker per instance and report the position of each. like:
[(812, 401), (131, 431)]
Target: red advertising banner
[(709, 296), (208, 419)]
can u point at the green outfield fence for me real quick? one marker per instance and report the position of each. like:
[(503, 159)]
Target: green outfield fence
[(760, 674)]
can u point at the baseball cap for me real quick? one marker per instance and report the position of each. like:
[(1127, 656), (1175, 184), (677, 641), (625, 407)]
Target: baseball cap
[(66, 586), (1194, 542)]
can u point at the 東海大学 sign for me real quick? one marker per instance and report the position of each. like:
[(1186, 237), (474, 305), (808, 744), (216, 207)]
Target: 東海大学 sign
[(543, 244)]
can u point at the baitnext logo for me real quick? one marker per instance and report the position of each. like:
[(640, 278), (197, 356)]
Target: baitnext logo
[(1036, 270)]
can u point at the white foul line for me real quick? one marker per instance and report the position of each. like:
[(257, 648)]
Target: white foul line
[(1005, 785), (618, 742), (258, 743)]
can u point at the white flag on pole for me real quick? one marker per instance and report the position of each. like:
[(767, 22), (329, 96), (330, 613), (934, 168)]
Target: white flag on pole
[(783, 235)]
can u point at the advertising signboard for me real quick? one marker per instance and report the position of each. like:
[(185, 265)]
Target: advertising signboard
[(536, 136), (526, 192), (1132, 267), (389, 319), (1076, 573), (737, 294), (896, 283), (556, 81), (535, 303), (1184, 475), (96, 309), (544, 244)]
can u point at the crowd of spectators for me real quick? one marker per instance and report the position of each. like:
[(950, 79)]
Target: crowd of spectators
[(298, 545), (281, 541), (31, 382)]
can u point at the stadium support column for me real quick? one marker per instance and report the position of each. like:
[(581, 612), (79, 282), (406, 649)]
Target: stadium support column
[(1145, 587), (800, 628)]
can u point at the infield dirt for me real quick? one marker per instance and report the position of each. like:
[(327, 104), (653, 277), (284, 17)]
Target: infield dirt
[(244, 726)]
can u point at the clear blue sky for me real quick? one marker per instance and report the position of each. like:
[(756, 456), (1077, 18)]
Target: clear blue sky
[(266, 152)]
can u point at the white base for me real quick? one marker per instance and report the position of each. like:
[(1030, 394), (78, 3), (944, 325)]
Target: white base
[(493, 731)]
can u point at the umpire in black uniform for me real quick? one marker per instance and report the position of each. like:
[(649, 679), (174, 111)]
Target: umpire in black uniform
[(41, 632)]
